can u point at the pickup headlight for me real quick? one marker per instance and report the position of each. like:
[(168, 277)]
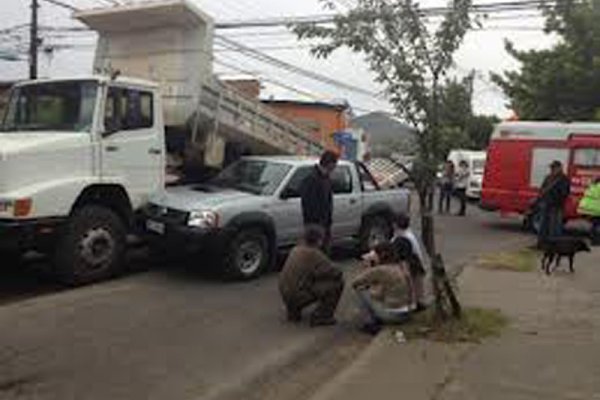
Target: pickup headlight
[(203, 219), (18, 208)]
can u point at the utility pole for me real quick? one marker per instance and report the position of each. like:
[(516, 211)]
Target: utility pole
[(33, 41)]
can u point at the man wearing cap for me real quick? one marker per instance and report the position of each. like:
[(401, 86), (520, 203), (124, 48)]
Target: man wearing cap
[(553, 195)]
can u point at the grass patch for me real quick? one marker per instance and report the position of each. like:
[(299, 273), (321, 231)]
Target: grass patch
[(475, 325), (524, 260)]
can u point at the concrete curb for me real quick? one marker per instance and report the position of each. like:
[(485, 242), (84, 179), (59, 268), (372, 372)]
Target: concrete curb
[(388, 370)]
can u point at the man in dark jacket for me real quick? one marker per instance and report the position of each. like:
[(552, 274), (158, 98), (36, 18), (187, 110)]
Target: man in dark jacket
[(317, 196), (553, 195), (308, 277)]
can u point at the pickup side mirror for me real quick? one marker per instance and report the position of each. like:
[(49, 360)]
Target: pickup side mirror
[(288, 193)]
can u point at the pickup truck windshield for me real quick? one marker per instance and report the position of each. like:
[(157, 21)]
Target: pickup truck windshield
[(253, 176), (53, 106)]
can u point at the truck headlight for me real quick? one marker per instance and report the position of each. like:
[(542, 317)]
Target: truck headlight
[(203, 219)]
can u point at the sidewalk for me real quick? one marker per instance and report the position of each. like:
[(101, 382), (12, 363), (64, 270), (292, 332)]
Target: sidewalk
[(550, 350)]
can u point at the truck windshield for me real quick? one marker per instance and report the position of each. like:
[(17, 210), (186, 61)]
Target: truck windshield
[(253, 176), (54, 106)]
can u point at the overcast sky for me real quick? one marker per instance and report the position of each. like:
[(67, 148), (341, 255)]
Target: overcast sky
[(483, 50)]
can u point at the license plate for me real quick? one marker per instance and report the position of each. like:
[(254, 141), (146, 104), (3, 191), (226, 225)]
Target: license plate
[(156, 227)]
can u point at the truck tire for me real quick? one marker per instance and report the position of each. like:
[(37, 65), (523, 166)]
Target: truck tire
[(91, 247), (247, 255), (374, 229)]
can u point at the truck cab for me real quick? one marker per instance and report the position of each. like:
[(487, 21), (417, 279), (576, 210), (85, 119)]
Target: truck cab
[(77, 158)]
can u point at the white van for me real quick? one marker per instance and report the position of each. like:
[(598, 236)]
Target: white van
[(476, 161)]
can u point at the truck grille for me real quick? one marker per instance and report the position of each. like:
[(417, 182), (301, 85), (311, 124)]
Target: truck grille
[(166, 214)]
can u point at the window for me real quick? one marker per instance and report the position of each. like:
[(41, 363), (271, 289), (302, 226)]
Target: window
[(587, 157), (367, 182), (58, 106), (293, 187), (128, 109), (341, 180), (540, 163), (253, 176)]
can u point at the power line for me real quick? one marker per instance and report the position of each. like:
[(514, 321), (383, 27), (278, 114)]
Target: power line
[(62, 4), (497, 7), (251, 52)]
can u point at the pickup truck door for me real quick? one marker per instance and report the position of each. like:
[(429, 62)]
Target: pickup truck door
[(132, 148), (347, 202), (287, 209)]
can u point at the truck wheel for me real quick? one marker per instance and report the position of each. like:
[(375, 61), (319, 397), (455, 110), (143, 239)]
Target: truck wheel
[(247, 255), (374, 229), (92, 246)]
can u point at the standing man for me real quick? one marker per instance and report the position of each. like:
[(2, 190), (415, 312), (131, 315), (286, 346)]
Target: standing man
[(590, 207), (462, 182), (317, 196), (553, 195), (446, 187)]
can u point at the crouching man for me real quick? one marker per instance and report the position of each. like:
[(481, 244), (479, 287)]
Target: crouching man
[(385, 290), (309, 277)]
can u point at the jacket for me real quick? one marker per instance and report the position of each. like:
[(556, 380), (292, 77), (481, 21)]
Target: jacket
[(317, 199), (304, 266), (388, 284), (590, 202), (555, 190)]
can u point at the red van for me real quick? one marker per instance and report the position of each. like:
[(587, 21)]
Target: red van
[(519, 156)]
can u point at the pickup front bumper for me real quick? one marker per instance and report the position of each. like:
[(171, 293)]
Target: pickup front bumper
[(173, 235), (34, 234)]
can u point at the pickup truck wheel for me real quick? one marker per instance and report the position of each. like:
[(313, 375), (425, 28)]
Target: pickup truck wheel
[(374, 229), (91, 247), (247, 255)]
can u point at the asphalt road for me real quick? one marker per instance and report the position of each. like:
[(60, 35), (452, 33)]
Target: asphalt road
[(170, 333)]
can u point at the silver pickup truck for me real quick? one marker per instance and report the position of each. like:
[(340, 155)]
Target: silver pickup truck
[(252, 209)]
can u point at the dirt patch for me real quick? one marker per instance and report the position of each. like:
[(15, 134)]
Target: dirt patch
[(523, 260)]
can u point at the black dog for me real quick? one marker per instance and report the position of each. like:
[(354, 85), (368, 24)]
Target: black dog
[(556, 248)]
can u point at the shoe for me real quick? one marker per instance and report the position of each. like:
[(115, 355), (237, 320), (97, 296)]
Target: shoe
[(371, 328), (322, 321)]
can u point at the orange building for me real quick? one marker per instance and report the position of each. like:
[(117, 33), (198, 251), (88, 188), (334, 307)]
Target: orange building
[(322, 119)]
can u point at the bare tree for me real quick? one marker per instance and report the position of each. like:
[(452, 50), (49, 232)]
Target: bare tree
[(410, 53)]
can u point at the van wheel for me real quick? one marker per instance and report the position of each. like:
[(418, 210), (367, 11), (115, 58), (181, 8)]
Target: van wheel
[(92, 246), (373, 230), (247, 255)]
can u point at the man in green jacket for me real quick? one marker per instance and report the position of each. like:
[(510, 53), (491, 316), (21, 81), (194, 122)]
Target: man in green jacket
[(590, 207)]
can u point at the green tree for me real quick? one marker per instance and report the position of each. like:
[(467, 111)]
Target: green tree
[(410, 55), (563, 82)]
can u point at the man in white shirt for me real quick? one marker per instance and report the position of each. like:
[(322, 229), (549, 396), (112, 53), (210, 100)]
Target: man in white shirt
[(415, 255), (461, 183)]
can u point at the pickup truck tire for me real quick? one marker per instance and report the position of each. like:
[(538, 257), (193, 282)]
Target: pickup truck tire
[(247, 255), (374, 229), (91, 247)]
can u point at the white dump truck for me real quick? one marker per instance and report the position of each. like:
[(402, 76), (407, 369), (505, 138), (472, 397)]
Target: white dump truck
[(80, 156)]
